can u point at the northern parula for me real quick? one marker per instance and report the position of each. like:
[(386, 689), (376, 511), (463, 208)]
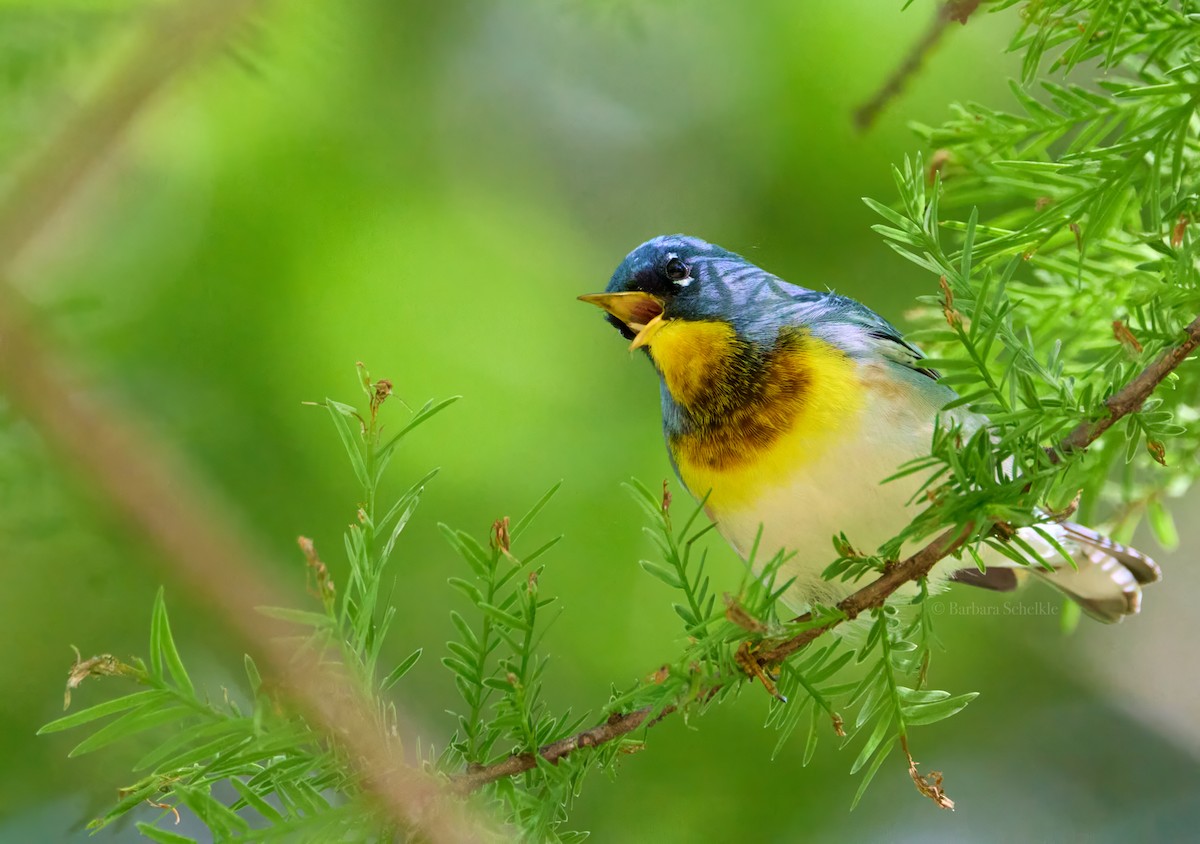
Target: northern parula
[(788, 408)]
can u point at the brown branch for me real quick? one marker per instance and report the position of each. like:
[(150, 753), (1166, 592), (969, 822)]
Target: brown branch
[(874, 593), (1125, 401), (1133, 395), (950, 11), (614, 728)]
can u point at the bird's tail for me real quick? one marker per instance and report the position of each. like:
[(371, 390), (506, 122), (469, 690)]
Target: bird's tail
[(1106, 579)]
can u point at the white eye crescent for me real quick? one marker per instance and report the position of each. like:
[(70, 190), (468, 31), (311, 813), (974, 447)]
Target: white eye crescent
[(677, 271)]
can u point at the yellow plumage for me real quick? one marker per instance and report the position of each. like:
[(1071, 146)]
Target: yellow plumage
[(755, 422)]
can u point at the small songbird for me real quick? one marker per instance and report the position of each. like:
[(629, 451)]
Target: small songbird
[(788, 408)]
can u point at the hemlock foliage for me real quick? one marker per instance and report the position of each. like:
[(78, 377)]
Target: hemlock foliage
[(1061, 236)]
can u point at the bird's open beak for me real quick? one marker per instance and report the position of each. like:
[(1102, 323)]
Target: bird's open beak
[(641, 312)]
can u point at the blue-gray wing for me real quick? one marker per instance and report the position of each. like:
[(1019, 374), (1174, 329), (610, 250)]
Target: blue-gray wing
[(864, 331), (843, 322)]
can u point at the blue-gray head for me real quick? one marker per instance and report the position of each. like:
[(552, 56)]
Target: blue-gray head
[(676, 277), (680, 277)]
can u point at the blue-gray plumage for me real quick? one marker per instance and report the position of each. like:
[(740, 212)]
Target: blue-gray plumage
[(725, 286)]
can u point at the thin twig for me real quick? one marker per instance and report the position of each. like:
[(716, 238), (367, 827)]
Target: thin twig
[(874, 593), (1125, 401), (1134, 395), (616, 726), (950, 11)]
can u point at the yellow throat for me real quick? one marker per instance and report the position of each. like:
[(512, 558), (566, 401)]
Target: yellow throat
[(751, 418)]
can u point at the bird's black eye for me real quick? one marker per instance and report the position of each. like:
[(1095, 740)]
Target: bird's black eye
[(676, 270)]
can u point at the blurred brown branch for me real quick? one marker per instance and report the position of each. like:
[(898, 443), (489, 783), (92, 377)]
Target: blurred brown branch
[(768, 654), (143, 479), (948, 12), (172, 37)]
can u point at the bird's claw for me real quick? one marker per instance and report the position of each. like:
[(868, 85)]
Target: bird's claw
[(748, 661)]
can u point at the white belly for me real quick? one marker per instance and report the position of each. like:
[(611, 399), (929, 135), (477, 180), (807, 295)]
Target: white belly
[(839, 491)]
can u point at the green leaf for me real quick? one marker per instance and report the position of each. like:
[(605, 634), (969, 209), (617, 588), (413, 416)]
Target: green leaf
[(130, 798), (888, 214), (662, 573), (156, 654), (503, 617), (131, 723), (464, 629), (686, 614), (646, 500), (400, 670), (920, 695), (1070, 617), (219, 817), (252, 674), (473, 593), (872, 769), (232, 741), (398, 528), (162, 642), (695, 514), (255, 801), (150, 697), (413, 491), (939, 710), (526, 520), (302, 796), (166, 750), (881, 731), (829, 669), (877, 698), (341, 415), (419, 418), (529, 558), (968, 246), (162, 836), (810, 743), (469, 549)]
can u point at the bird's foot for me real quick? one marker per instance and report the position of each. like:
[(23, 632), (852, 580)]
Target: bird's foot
[(747, 659)]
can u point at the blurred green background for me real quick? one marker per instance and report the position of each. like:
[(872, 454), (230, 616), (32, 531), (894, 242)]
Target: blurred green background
[(426, 188)]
